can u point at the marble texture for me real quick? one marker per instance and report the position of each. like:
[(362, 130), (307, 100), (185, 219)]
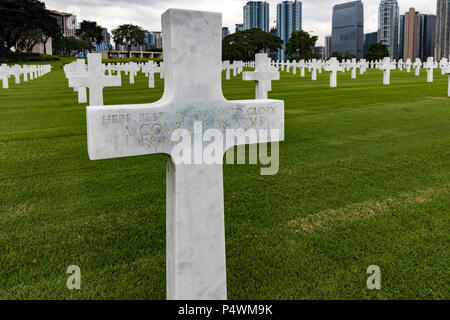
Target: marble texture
[(192, 40)]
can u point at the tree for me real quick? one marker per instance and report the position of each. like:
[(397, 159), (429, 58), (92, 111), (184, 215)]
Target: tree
[(47, 28), (300, 45), (20, 22), (377, 51), (129, 35), (243, 45), (50, 29), (90, 32), (346, 56), (71, 46)]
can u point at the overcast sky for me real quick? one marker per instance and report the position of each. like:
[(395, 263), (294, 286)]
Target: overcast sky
[(147, 13)]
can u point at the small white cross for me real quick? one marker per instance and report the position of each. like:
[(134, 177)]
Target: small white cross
[(263, 75), (95, 79)]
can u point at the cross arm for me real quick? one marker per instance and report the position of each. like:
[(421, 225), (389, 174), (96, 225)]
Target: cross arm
[(133, 130)]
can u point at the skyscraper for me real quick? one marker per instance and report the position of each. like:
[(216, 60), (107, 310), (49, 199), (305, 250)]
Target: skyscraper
[(427, 30), (225, 32), (411, 48), (388, 25), (239, 27), (402, 37), (67, 22), (289, 19), (442, 29), (348, 29), (106, 43), (256, 15), (327, 50), (370, 38)]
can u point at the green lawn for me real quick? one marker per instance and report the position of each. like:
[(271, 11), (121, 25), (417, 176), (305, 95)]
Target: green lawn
[(364, 180)]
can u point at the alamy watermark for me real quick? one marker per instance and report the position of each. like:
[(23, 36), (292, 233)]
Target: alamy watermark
[(374, 281), (74, 281), (208, 147)]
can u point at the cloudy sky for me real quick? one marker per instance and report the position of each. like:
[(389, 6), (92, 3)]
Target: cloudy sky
[(147, 13)]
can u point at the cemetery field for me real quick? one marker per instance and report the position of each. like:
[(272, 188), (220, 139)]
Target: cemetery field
[(364, 179)]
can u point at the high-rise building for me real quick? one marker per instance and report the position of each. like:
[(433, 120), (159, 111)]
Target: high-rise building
[(370, 38), (256, 15), (225, 32), (442, 29), (401, 45), (67, 22), (411, 47), (106, 43), (319, 52), (388, 25), (348, 29), (289, 19), (154, 40), (239, 27), (427, 31), (327, 50)]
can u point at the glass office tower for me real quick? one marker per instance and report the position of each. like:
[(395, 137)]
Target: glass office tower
[(348, 29), (388, 26), (289, 19), (256, 15)]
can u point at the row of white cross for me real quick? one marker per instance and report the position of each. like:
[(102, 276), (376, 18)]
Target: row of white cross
[(96, 76), (386, 65), (27, 72)]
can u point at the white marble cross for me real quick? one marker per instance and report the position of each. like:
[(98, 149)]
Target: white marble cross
[(386, 66), (4, 75), (400, 65), (443, 65), (313, 66), (149, 69), (333, 67), (95, 79), (192, 98), (302, 66), (408, 65), (227, 66), (353, 66), (77, 69), (17, 71), (133, 69), (430, 66), (417, 65), (294, 67), (263, 75)]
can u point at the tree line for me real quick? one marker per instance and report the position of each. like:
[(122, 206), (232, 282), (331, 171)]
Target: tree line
[(243, 45), (26, 23), (23, 24)]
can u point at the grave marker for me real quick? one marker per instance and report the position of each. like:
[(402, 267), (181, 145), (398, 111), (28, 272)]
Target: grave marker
[(195, 205), (95, 79), (263, 75)]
